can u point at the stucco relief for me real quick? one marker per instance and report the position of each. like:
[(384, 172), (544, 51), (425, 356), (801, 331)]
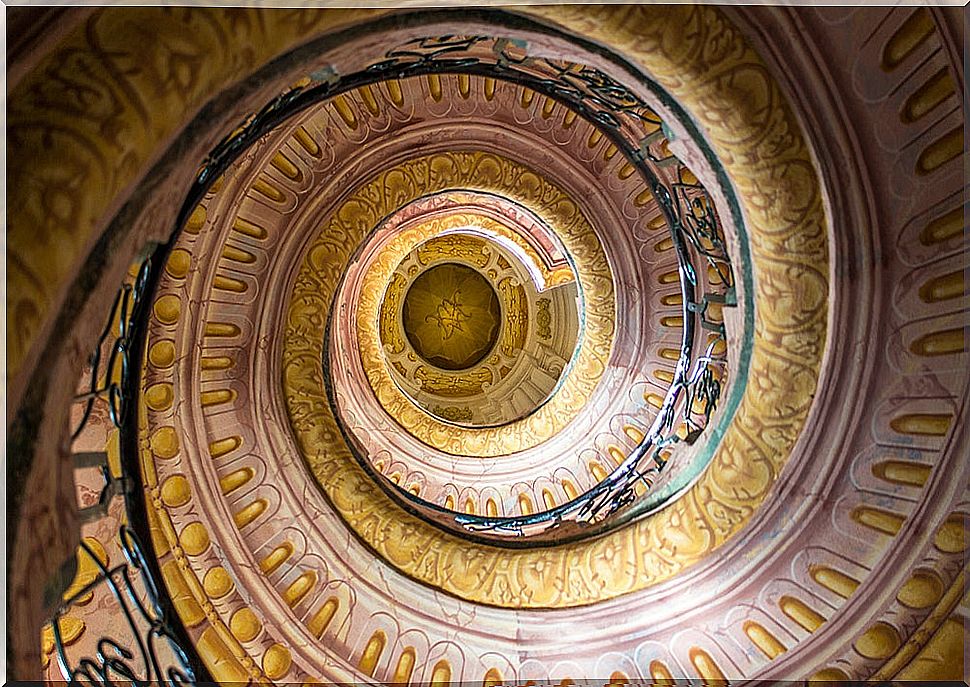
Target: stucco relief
[(894, 472), (533, 577)]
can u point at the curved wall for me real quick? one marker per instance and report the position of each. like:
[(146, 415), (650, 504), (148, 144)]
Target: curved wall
[(853, 564)]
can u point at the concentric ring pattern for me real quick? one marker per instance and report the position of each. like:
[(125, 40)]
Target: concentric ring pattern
[(489, 355), (487, 345), (393, 210)]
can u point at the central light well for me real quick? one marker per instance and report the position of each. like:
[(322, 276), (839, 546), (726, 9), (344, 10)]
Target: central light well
[(473, 331), (451, 316)]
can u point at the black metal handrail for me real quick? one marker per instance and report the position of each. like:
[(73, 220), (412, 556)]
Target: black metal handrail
[(608, 105), (157, 650)]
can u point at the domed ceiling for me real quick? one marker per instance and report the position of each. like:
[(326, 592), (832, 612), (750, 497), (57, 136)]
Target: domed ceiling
[(451, 316), (510, 346)]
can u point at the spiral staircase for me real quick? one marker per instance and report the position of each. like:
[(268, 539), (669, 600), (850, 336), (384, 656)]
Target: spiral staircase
[(541, 344)]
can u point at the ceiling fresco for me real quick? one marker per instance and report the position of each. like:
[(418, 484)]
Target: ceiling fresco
[(517, 366), (451, 316), (503, 346)]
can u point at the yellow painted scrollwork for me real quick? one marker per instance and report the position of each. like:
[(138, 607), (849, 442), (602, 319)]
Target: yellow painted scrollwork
[(475, 171), (705, 63)]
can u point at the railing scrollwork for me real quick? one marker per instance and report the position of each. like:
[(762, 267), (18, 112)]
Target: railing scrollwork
[(145, 647), (154, 652), (157, 658)]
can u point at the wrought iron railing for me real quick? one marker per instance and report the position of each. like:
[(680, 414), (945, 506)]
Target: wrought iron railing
[(619, 114), (153, 646), (688, 209), (146, 644), (151, 653)]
